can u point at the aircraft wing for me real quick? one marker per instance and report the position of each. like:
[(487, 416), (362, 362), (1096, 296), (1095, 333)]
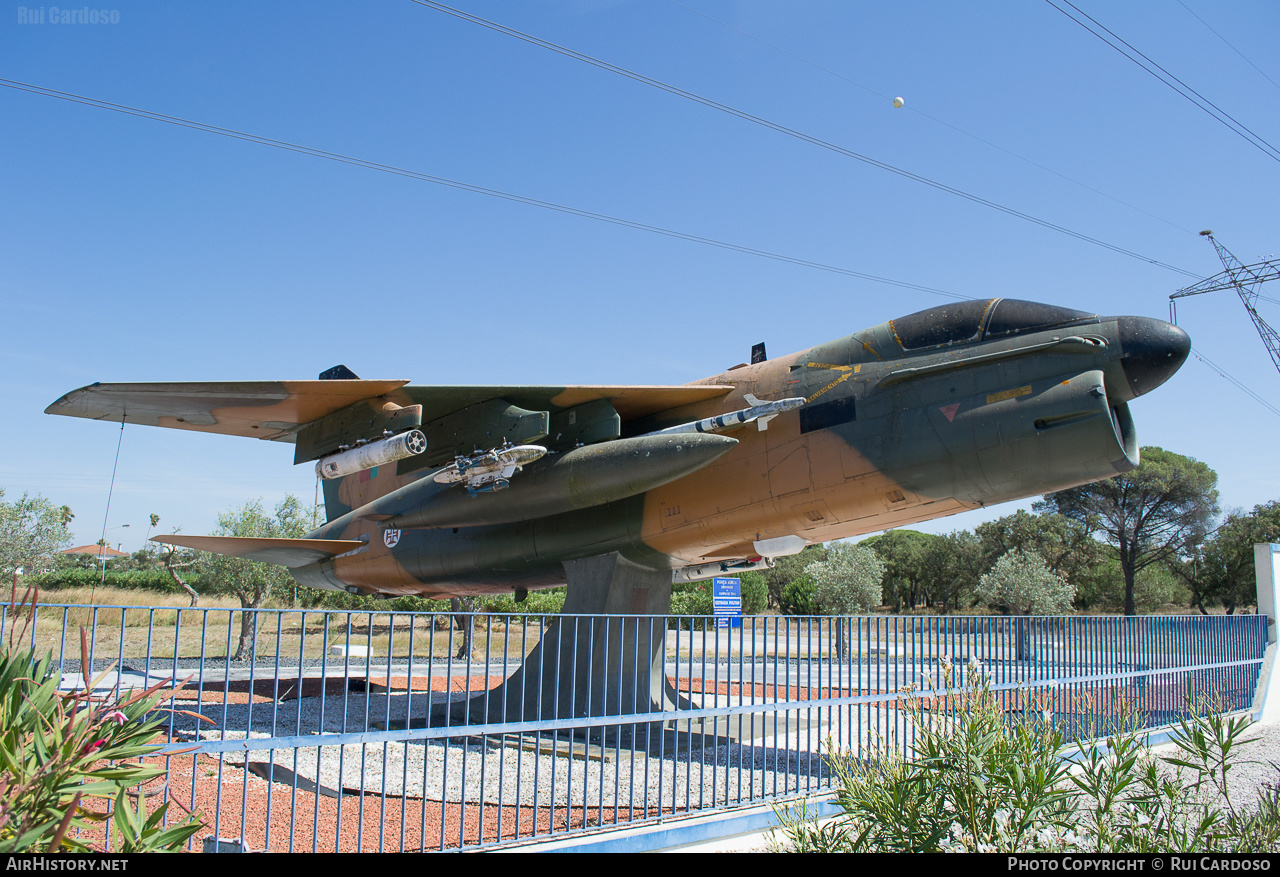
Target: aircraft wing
[(630, 401), (260, 409), (285, 552), (280, 410)]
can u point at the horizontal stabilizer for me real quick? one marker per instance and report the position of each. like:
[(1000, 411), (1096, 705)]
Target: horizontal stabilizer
[(285, 552)]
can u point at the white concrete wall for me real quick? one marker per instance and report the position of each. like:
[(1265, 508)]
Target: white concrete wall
[(1266, 562)]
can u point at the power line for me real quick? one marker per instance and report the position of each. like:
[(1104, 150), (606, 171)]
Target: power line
[(935, 119), (790, 132), (468, 187), (1229, 46), (1167, 78), (1211, 364), (778, 48)]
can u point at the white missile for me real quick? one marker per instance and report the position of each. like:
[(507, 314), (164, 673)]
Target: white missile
[(759, 412), (727, 567), (388, 450), (489, 470)]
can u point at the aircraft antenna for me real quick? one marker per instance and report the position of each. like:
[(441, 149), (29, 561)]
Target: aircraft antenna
[(1246, 280)]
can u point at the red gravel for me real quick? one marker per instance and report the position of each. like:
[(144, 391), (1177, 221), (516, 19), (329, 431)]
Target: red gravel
[(352, 823)]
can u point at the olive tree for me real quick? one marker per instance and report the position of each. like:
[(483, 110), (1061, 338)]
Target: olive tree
[(1067, 546), (251, 580), (849, 581), (1022, 583), (32, 531), (788, 587)]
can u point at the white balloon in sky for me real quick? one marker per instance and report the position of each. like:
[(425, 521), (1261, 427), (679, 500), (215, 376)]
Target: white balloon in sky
[(899, 102)]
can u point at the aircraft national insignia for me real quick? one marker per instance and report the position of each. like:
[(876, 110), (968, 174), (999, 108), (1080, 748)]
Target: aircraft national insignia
[(390, 538)]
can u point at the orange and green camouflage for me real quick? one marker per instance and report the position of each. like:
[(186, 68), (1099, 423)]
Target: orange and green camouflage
[(485, 489)]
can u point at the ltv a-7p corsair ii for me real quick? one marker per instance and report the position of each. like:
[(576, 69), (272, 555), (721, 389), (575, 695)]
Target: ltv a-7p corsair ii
[(620, 490)]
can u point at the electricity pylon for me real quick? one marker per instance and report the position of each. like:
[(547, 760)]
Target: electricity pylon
[(1246, 280)]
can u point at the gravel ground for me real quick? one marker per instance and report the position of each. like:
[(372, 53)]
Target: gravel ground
[(332, 798), (1261, 763), (472, 771)]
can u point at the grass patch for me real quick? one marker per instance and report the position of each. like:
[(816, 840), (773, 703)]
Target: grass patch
[(127, 624)]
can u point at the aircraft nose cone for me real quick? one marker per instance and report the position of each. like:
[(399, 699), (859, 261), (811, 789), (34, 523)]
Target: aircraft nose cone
[(1153, 351)]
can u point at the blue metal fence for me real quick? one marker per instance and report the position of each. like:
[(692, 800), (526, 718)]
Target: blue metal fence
[(320, 738)]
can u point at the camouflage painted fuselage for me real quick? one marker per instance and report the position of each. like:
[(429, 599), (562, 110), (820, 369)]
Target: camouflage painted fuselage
[(929, 415)]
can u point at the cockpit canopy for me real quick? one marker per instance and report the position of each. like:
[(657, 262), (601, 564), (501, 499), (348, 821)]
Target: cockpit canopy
[(969, 321)]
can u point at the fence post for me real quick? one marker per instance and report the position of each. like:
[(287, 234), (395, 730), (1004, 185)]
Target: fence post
[(1266, 561)]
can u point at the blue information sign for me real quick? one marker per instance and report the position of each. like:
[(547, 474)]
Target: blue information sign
[(726, 596)]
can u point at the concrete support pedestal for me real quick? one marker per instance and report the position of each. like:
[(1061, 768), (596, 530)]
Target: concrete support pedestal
[(595, 666)]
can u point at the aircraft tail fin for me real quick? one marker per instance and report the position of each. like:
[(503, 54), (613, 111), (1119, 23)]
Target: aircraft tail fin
[(341, 495), (333, 506)]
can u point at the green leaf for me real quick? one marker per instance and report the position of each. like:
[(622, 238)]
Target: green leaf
[(126, 819)]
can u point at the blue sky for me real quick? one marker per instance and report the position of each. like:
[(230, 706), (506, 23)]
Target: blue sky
[(134, 250)]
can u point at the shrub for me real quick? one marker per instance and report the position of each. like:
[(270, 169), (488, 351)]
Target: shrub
[(548, 602), (696, 598), (314, 598), (58, 749), (755, 593), (797, 597), (157, 580), (687, 605), (973, 779), (416, 604)]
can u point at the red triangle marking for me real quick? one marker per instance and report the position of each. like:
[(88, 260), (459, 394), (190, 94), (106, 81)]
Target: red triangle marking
[(949, 411)]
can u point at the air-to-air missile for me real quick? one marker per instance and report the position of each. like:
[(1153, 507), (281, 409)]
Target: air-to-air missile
[(759, 413), (927, 415)]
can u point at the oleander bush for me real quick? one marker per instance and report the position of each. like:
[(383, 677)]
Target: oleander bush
[(62, 753), (973, 778)]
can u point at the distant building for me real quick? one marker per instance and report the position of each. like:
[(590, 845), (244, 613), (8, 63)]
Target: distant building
[(102, 553)]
